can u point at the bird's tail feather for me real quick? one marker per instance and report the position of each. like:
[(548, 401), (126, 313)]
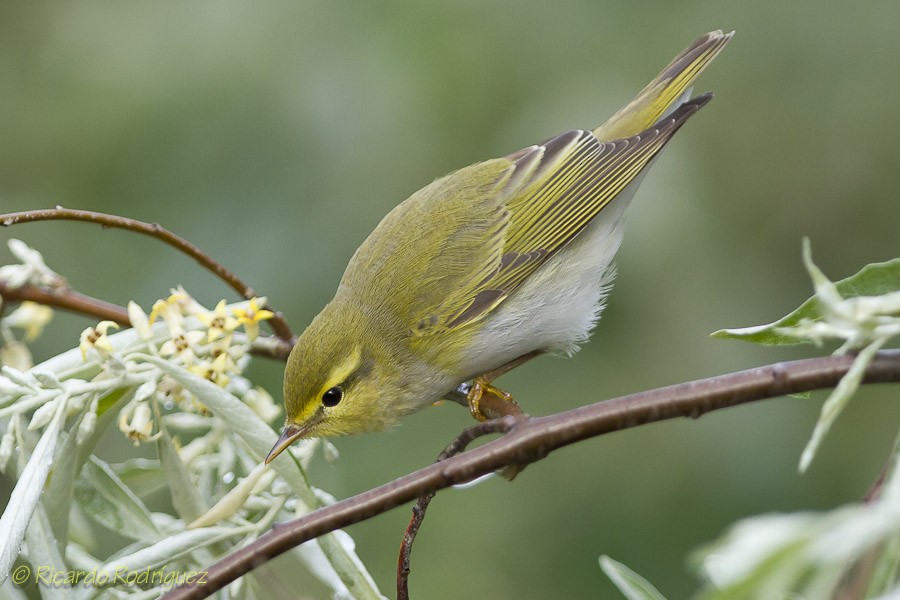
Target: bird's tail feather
[(669, 90)]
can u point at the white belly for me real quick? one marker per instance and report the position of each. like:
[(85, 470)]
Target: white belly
[(556, 308)]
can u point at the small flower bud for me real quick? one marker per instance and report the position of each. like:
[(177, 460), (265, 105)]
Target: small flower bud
[(42, 415), (7, 443)]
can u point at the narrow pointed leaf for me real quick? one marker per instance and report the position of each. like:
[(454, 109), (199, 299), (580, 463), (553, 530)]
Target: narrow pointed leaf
[(25, 496), (182, 489), (44, 553), (167, 550), (109, 502), (70, 459), (872, 280), (838, 400), (143, 476), (632, 585)]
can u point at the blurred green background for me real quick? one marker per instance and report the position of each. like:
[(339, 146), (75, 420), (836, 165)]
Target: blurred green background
[(276, 135)]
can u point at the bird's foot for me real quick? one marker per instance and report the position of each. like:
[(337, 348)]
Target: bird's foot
[(489, 402)]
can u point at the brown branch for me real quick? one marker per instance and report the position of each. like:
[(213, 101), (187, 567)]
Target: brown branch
[(68, 299), (530, 440), (154, 230)]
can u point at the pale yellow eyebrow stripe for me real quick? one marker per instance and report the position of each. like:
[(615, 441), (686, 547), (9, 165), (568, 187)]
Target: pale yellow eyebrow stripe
[(343, 370)]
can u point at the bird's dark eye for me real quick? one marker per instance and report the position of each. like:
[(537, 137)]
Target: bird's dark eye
[(332, 396)]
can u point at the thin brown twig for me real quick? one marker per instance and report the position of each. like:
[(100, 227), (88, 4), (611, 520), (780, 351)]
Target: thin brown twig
[(68, 299), (418, 512), (530, 440), (155, 230)]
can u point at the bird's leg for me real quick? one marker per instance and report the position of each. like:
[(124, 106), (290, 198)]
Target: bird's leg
[(486, 401)]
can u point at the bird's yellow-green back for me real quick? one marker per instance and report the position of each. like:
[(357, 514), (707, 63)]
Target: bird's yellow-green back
[(456, 249)]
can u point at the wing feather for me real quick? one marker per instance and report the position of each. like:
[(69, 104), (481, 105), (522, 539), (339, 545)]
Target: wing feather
[(553, 193)]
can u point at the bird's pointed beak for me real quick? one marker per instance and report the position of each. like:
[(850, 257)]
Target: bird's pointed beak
[(289, 435)]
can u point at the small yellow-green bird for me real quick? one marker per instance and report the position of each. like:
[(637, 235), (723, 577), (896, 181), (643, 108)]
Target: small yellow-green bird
[(482, 269)]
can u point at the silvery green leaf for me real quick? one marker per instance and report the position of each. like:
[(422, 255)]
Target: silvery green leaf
[(234, 500), (873, 280), (58, 495), (857, 529), (632, 585), (109, 502), (151, 594), (182, 489), (79, 558), (260, 438), (71, 459), (838, 399), (8, 591), (311, 555), (169, 549), (43, 553), (25, 496), (141, 475), (188, 423), (315, 556), (760, 557), (798, 555), (82, 530), (340, 550)]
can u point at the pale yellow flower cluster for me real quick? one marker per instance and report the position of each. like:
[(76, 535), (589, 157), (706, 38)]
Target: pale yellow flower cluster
[(200, 340)]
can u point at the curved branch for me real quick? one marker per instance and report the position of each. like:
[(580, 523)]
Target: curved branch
[(532, 439), (154, 230)]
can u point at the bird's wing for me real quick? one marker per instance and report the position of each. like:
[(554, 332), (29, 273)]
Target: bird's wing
[(546, 198)]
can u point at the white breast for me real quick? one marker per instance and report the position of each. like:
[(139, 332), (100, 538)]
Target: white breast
[(556, 308)]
